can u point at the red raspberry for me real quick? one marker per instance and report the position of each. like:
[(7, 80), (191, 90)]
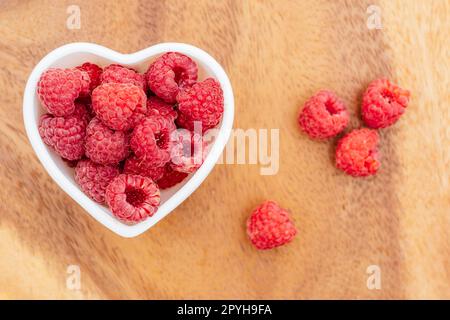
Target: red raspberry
[(105, 146), (93, 178), (203, 102), (383, 103), (323, 116), (188, 151), (58, 88), (132, 198), (150, 140), (183, 122), (270, 226), (81, 112), (170, 72), (134, 165), (115, 73), (94, 72), (357, 154), (87, 102), (157, 106), (171, 177), (66, 135), (118, 105)]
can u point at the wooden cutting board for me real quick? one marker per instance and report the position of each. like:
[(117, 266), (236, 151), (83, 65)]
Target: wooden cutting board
[(277, 54)]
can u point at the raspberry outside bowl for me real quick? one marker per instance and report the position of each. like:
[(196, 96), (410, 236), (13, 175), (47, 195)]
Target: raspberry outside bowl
[(74, 54)]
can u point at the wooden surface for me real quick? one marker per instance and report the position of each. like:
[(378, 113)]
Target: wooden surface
[(277, 53)]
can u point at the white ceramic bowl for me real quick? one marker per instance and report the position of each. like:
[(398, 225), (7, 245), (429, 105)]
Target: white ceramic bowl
[(74, 54)]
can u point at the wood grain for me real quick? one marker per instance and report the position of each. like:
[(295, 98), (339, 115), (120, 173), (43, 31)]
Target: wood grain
[(277, 53)]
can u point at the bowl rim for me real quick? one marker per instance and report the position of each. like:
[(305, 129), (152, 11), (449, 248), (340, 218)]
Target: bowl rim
[(94, 209)]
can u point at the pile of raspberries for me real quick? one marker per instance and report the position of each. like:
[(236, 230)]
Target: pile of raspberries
[(323, 116), (127, 134)]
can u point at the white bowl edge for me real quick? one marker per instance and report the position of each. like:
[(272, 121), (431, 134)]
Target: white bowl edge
[(96, 210)]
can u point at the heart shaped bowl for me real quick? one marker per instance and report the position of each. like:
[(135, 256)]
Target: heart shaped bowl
[(74, 54)]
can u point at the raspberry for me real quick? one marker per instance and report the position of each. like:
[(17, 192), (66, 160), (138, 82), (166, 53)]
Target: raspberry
[(357, 154), (188, 150), (87, 102), (150, 140), (94, 72), (323, 115), (132, 198), (134, 165), (157, 106), (118, 105), (270, 226), (66, 135), (81, 112), (169, 73), (184, 122), (383, 103), (115, 73), (93, 178), (171, 177), (105, 146), (202, 102), (58, 88)]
